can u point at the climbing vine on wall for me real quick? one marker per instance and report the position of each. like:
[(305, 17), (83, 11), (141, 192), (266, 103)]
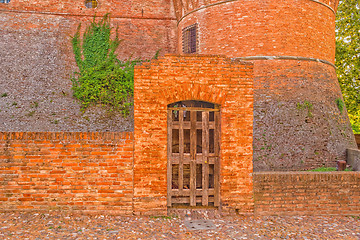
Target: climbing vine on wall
[(102, 78)]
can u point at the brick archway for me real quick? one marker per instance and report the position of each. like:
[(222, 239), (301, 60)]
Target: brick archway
[(215, 79)]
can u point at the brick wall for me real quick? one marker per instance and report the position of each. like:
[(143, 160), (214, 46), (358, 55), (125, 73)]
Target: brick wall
[(66, 171), (93, 173), (307, 193), (213, 79)]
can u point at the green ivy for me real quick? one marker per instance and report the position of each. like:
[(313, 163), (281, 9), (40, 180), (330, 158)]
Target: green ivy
[(340, 104), (102, 78), (306, 105)]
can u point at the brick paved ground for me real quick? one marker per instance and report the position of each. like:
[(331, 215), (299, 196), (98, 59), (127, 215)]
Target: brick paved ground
[(56, 225)]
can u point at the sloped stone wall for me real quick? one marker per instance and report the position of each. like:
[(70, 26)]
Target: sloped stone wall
[(38, 62)]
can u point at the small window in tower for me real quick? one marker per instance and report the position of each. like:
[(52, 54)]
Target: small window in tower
[(189, 39), (4, 1), (91, 3)]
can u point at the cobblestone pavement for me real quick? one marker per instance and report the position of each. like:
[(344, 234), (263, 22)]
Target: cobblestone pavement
[(66, 226)]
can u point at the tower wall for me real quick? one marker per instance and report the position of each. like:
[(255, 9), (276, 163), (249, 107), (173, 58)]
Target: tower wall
[(264, 28), (297, 122)]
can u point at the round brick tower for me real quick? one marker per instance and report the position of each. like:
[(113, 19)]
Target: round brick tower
[(299, 122)]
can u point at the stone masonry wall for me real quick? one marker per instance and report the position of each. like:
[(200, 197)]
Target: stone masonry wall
[(88, 172), (298, 193), (298, 124), (213, 79)]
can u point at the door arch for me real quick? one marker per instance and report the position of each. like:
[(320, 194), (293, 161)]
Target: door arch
[(193, 169)]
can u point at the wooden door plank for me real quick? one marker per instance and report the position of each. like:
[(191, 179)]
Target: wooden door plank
[(192, 160), (169, 163), (186, 125), (217, 159), (181, 150), (186, 192), (192, 183), (205, 163)]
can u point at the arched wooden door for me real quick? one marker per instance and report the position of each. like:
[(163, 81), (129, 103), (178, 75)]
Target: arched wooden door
[(193, 170)]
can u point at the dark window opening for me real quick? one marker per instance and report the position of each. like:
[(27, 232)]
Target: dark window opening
[(194, 104), (189, 39), (91, 3)]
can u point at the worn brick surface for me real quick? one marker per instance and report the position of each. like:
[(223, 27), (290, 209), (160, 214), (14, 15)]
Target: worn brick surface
[(213, 79), (307, 193), (88, 172)]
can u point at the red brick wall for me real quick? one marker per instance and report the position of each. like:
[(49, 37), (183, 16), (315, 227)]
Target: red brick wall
[(307, 193), (93, 172), (264, 28), (214, 79), (66, 171)]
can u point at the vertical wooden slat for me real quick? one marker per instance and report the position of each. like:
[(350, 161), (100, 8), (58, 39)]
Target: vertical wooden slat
[(181, 150), (169, 162), (205, 154), (217, 159), (193, 157)]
